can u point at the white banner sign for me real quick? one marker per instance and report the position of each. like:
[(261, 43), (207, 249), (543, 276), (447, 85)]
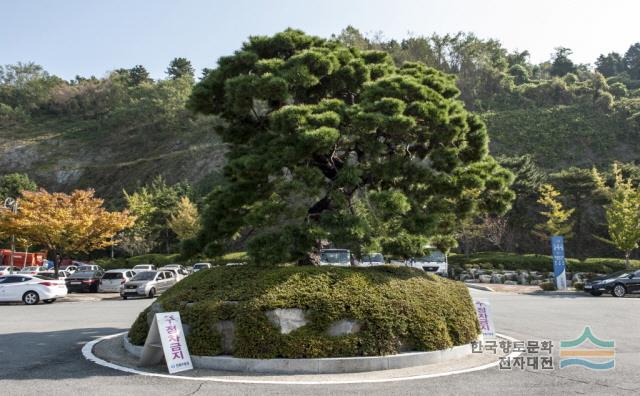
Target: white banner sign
[(174, 343), (483, 308)]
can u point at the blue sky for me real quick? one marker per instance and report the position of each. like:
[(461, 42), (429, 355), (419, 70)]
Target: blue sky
[(91, 37)]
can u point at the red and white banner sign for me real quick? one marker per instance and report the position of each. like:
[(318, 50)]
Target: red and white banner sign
[(174, 343), (483, 308)]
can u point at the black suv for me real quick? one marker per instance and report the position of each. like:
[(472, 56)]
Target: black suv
[(618, 284)]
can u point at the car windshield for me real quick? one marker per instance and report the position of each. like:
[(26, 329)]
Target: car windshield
[(85, 274), (112, 275), (144, 276), (435, 256), (374, 258), (335, 256)]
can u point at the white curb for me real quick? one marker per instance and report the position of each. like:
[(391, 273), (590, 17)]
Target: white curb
[(87, 352)]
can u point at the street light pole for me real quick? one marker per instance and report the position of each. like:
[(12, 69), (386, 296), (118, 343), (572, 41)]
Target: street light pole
[(12, 204)]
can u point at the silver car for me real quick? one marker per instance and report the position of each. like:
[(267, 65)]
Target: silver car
[(113, 279), (147, 284)]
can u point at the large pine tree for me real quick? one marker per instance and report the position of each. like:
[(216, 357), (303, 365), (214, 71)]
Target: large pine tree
[(329, 143)]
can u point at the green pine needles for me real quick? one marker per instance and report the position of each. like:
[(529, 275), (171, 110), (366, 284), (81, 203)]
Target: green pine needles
[(329, 143)]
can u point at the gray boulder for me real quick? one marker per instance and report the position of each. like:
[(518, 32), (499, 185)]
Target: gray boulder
[(497, 278), (226, 328), (287, 319), (485, 278), (344, 327)]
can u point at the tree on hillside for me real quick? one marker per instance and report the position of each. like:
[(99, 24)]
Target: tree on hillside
[(558, 218), (611, 64), (138, 74), (153, 205), (632, 61), (134, 76), (523, 215), (64, 224), (185, 220), (561, 64), (13, 184), (579, 188), (328, 143), (622, 212), (179, 68)]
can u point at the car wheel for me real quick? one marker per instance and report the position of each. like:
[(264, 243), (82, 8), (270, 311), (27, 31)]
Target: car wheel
[(49, 301), (124, 297), (619, 291), (93, 289), (152, 292), (596, 293), (30, 298)]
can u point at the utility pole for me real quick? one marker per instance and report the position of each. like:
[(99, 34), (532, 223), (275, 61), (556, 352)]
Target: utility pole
[(12, 204)]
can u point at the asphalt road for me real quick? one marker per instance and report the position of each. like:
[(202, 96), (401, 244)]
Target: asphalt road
[(40, 352)]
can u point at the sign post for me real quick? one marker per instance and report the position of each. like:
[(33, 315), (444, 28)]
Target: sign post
[(557, 252), (483, 309), (166, 336)]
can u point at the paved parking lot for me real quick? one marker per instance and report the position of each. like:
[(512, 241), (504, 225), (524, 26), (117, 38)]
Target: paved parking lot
[(40, 348)]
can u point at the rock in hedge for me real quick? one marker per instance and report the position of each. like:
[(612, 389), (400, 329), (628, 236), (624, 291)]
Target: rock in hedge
[(226, 328), (287, 319), (344, 327)]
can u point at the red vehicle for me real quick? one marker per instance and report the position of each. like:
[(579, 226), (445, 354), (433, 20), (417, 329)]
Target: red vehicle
[(32, 259)]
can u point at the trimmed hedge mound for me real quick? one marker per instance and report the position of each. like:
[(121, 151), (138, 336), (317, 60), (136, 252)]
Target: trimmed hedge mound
[(398, 309), (537, 262)]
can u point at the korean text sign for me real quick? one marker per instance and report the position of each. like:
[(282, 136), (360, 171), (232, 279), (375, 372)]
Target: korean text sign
[(174, 343)]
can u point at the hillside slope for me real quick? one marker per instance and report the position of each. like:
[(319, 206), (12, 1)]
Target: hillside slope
[(63, 154)]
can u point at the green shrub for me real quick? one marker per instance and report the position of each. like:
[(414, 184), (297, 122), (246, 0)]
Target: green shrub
[(396, 306), (547, 286), (578, 285), (535, 262)]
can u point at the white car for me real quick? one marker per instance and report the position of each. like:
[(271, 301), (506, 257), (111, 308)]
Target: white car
[(436, 263), (33, 270), (337, 257), (62, 274), (372, 259), (178, 274), (144, 267), (31, 289), (89, 267), (200, 266), (69, 268), (7, 269), (113, 279)]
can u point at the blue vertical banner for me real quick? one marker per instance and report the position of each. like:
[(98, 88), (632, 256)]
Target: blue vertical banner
[(557, 252)]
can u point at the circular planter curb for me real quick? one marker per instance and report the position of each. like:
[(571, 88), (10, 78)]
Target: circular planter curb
[(338, 365)]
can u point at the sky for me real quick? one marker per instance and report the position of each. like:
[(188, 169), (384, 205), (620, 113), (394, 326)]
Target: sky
[(92, 37)]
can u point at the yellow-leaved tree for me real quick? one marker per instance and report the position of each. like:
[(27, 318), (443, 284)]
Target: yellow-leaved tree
[(622, 212), (557, 223), (65, 223), (185, 221)]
